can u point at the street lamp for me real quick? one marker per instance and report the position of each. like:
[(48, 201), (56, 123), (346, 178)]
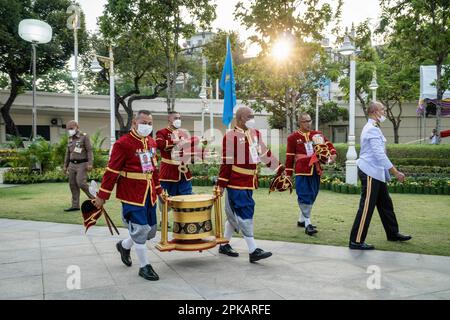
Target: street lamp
[(95, 67), (374, 86), (73, 23), (36, 32), (351, 171)]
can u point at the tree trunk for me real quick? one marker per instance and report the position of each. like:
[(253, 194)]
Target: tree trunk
[(5, 110)]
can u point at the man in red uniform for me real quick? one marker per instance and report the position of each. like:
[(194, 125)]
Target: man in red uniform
[(177, 149), (243, 149), (302, 150), (137, 188)]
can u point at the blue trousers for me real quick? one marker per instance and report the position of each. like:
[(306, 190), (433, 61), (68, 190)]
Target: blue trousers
[(181, 187), (307, 188), (241, 202), (140, 215)]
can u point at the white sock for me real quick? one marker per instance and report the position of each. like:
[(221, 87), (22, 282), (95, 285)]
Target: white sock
[(127, 243), (229, 230), (301, 218), (251, 244), (141, 251), (307, 222)]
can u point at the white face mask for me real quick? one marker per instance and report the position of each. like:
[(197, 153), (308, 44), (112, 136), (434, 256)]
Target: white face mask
[(177, 123), (72, 132), (144, 129), (250, 124), (382, 118)]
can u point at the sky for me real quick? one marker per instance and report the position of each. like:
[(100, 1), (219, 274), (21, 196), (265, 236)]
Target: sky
[(354, 11)]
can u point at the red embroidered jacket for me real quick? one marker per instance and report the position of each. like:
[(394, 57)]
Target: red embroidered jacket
[(175, 156), (124, 169), (296, 153), (238, 169)]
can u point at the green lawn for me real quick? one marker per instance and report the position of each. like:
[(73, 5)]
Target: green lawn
[(425, 217)]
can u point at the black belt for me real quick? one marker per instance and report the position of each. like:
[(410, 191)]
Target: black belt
[(79, 161)]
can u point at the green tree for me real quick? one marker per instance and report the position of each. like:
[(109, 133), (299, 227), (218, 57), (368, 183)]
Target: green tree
[(282, 87), (397, 74), (423, 30), (215, 52), (160, 24), (328, 112), (15, 52)]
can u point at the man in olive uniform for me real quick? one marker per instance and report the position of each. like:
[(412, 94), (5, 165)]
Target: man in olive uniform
[(77, 162)]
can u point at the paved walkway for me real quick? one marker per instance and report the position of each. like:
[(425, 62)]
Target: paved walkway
[(35, 256)]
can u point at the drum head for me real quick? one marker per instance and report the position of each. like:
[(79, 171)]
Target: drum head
[(191, 201), (192, 197)]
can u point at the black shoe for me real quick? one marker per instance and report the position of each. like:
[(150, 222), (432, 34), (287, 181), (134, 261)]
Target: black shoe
[(259, 254), (148, 273), (399, 237), (302, 224), (360, 246), (309, 230), (124, 254), (228, 250), (71, 209)]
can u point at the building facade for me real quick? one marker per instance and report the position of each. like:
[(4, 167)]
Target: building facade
[(54, 110)]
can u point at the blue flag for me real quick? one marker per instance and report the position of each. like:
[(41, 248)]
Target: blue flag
[(228, 86)]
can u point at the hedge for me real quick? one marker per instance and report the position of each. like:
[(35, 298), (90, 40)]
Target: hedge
[(403, 154)]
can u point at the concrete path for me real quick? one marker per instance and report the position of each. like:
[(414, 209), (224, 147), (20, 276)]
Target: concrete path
[(39, 260)]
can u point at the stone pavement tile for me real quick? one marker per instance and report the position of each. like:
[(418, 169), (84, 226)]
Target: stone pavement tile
[(175, 255), (297, 259), (213, 283), (106, 247), (21, 225), (76, 229), (307, 287), (68, 240), (90, 278), (104, 293), (96, 231), (14, 288), (331, 270), (173, 288), (11, 256), (261, 294), (198, 266), (36, 297), (68, 251), (442, 295), (8, 235), (437, 263), (61, 265), (106, 237), (19, 244), (124, 275), (389, 288), (20, 269), (422, 280), (113, 259)]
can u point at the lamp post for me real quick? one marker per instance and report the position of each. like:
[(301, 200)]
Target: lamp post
[(36, 32), (96, 67), (73, 23), (204, 96), (374, 86), (347, 49)]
